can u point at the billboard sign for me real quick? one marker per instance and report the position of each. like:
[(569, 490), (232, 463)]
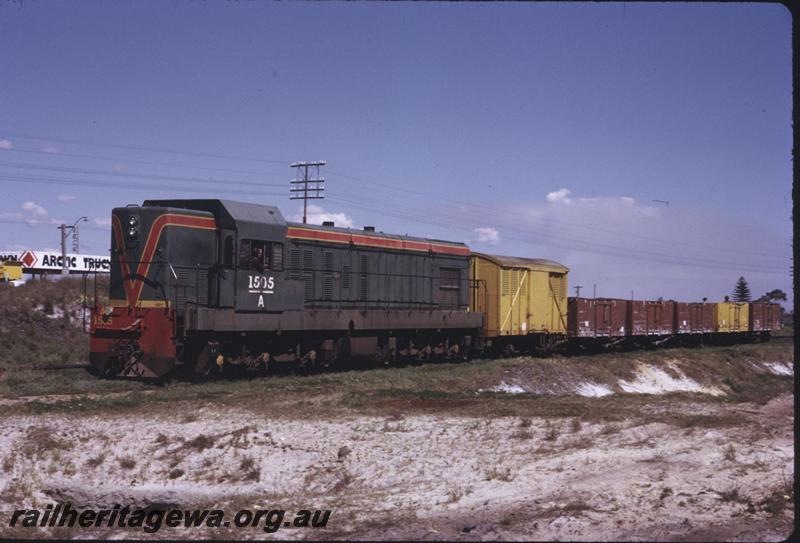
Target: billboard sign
[(48, 261)]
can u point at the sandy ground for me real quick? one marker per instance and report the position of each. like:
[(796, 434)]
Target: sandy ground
[(420, 477)]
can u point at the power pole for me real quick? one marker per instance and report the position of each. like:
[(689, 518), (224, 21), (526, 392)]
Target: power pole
[(594, 290), (309, 191), (64, 269), (578, 290), (74, 230)]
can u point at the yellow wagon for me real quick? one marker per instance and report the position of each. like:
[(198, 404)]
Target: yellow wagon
[(519, 296), (731, 317)]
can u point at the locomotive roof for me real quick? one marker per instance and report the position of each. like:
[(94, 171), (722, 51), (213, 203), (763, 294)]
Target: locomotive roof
[(527, 263), (370, 233), (248, 219)]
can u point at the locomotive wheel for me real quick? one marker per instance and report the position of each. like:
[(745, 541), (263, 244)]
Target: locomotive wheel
[(210, 370)]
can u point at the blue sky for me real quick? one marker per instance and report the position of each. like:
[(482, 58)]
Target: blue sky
[(543, 130)]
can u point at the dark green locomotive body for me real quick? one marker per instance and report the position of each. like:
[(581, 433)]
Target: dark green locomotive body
[(210, 284)]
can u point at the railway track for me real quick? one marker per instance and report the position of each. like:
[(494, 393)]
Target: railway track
[(86, 365)]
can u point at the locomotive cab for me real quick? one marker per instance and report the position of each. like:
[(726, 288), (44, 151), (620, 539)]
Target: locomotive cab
[(160, 257)]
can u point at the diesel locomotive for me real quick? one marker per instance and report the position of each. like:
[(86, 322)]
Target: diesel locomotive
[(209, 285)]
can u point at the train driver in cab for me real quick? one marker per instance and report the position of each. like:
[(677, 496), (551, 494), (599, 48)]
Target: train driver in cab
[(257, 260)]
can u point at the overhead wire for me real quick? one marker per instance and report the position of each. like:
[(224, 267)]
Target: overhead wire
[(85, 171), (549, 220), (493, 221), (417, 218), (135, 161), (138, 148), (590, 246), (128, 186)]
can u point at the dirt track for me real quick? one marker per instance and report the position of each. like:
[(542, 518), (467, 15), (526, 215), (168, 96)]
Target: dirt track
[(723, 474)]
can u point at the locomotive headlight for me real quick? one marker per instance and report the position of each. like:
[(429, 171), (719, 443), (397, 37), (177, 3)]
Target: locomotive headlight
[(133, 231), (133, 220)]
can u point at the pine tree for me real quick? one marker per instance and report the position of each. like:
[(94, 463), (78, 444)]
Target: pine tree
[(741, 293)]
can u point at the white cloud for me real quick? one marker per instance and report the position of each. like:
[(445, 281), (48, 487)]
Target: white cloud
[(65, 197), (487, 235), (560, 195), (6, 144), (53, 149), (610, 205), (102, 221), (317, 215), (32, 214), (35, 210)]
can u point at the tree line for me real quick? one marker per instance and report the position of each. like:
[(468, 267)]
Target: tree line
[(741, 293)]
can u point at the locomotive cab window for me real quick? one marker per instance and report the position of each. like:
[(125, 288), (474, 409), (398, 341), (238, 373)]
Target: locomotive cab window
[(256, 255)]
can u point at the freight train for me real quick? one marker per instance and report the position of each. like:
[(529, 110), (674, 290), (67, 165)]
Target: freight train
[(209, 285)]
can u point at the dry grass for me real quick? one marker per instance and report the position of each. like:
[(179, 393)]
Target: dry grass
[(28, 336), (609, 429), (499, 474), (345, 480), (732, 494), (250, 470), (657, 458), (779, 500), (95, 461), (200, 442), (43, 439), (126, 462), (455, 495), (551, 432), (427, 389), (581, 442)]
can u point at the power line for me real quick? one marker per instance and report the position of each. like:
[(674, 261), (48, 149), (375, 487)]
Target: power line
[(67, 169), (594, 229), (557, 233), (140, 148), (495, 210), (551, 221), (590, 247), (129, 186), (135, 161), (49, 222)]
